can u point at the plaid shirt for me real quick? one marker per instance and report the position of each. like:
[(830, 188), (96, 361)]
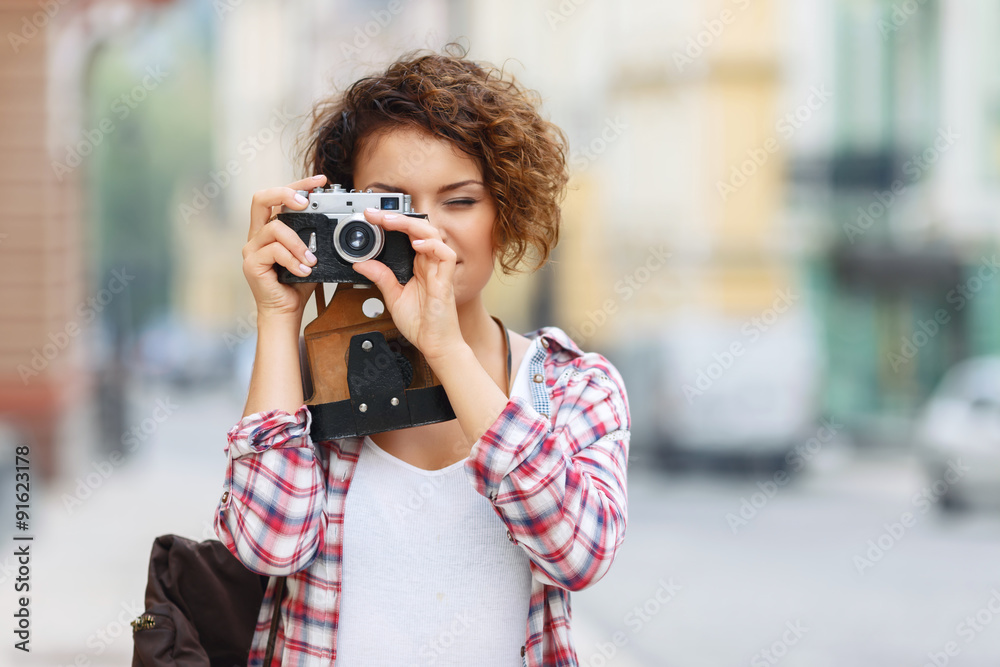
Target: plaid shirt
[(554, 469)]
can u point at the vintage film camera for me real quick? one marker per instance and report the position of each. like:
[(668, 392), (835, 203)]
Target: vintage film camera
[(333, 225), (366, 378)]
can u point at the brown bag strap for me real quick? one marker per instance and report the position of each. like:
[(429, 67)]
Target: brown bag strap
[(506, 335), (279, 589)]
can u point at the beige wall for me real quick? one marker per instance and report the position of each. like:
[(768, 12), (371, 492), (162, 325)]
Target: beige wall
[(653, 185)]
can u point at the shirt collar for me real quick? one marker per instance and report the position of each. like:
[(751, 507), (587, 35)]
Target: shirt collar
[(555, 339)]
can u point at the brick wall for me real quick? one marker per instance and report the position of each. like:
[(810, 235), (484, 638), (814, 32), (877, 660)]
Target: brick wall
[(41, 247)]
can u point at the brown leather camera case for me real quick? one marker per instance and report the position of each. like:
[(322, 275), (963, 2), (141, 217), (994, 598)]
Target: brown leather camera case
[(366, 377)]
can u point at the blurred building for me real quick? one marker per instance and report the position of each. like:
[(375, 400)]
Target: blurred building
[(41, 265), (900, 198), (44, 276)]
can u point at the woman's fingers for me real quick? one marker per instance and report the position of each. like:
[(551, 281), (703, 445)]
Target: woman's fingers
[(415, 228), (441, 258), (309, 183), (276, 253), (282, 233), (434, 264), (424, 237), (435, 248), (264, 200), (383, 277)]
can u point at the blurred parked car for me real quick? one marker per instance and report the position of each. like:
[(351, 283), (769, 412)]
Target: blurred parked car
[(174, 352), (961, 423), (741, 394)]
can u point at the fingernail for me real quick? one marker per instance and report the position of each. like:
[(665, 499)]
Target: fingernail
[(304, 268), (317, 176), (371, 210), (417, 241), (300, 199), (389, 216), (310, 257)]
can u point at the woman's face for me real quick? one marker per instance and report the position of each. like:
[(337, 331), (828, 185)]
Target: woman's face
[(445, 184)]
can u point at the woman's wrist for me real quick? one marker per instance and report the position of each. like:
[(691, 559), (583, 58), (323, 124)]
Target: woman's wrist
[(453, 363), (276, 381), (274, 321)]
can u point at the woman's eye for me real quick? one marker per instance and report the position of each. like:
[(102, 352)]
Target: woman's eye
[(460, 202)]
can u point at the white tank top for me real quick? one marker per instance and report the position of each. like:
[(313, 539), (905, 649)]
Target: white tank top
[(429, 576)]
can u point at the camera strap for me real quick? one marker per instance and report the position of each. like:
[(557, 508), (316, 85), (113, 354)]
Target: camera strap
[(506, 336)]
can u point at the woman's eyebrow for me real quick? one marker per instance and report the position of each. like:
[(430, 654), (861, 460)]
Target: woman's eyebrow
[(387, 188), (442, 189), (455, 186)]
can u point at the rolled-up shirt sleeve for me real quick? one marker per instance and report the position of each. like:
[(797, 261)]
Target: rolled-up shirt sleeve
[(561, 490), (271, 513)]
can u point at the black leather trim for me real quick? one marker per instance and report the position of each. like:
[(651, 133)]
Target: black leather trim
[(339, 419)]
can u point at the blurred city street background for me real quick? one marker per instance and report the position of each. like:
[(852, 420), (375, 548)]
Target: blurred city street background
[(782, 228)]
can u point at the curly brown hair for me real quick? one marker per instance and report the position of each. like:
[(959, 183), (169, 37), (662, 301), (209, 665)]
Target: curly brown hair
[(479, 109)]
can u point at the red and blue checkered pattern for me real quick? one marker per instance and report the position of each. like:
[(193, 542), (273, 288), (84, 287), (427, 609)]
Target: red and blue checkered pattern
[(557, 479)]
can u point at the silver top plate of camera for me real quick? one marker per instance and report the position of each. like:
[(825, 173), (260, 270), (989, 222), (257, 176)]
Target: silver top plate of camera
[(336, 201)]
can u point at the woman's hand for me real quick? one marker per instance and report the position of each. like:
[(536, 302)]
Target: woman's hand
[(272, 241), (424, 308)]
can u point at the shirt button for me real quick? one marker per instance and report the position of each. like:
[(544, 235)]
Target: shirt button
[(225, 496), (545, 344), (510, 537), (538, 377)]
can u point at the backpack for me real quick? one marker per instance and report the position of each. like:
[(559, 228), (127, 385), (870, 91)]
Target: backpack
[(201, 607)]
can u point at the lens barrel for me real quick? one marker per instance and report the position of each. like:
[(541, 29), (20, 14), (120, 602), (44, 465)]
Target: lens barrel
[(357, 240)]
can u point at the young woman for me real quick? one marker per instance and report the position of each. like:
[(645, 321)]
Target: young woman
[(454, 543)]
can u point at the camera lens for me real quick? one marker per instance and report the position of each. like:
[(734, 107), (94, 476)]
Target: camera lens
[(356, 239), (390, 204)]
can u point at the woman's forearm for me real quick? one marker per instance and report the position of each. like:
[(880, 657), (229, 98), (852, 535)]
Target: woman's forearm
[(474, 396), (276, 380)]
